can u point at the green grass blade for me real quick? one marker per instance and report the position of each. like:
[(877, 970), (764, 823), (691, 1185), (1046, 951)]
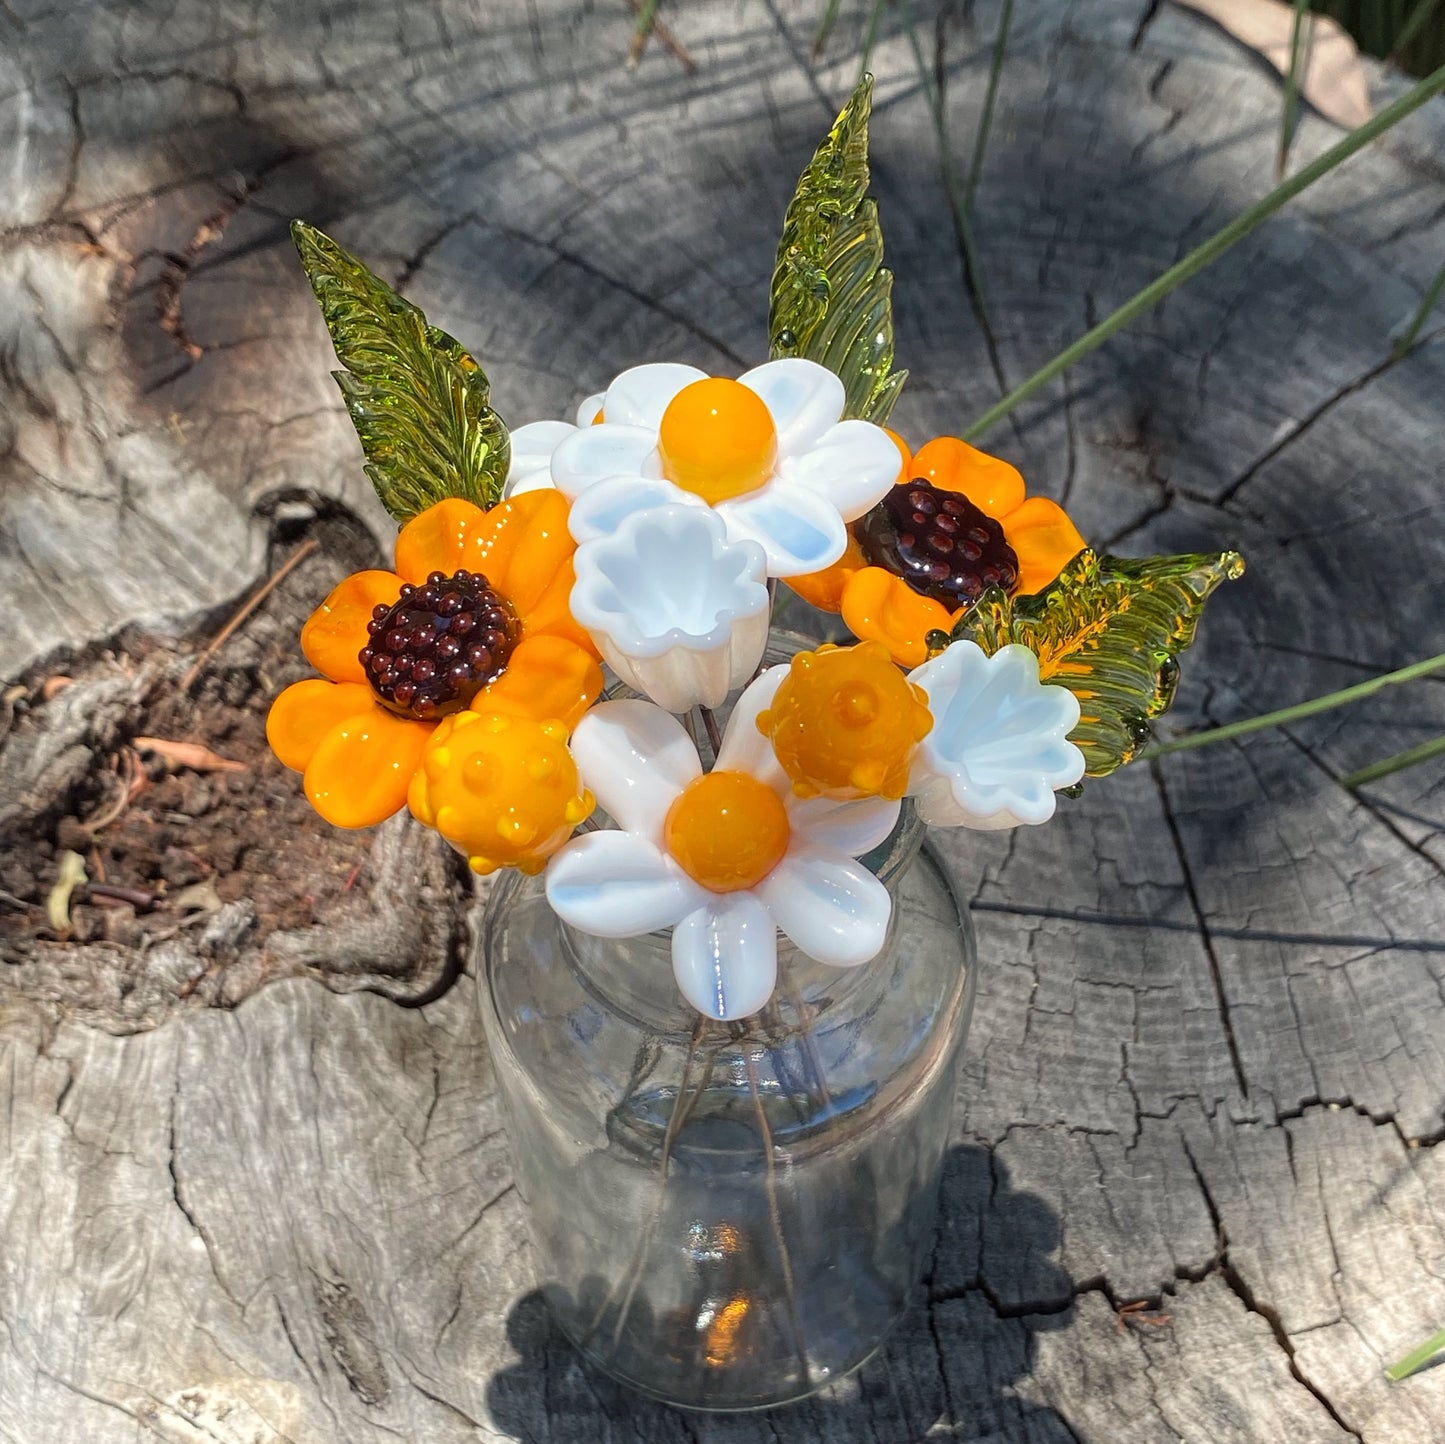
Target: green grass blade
[(1417, 1360), (870, 36), (1387, 766), (985, 120), (642, 33), (1300, 710), (1206, 254), (1419, 18), (825, 26), (958, 197), (1432, 299), (1297, 49)]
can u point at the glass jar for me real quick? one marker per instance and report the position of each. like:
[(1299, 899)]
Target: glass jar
[(729, 1215)]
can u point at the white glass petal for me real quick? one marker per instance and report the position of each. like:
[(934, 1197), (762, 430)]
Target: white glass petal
[(851, 465), (588, 408), (804, 398), (602, 508), (619, 885), (744, 748), (636, 758), (832, 907), (532, 448), (852, 827), (677, 610), (725, 956), (639, 397), (684, 678), (999, 746), (800, 530), (598, 453)]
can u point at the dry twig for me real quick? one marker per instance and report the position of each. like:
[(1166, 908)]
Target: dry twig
[(193, 756), (247, 607), (133, 782), (654, 26)]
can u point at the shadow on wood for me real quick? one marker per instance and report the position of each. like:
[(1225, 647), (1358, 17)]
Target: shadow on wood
[(953, 1355)]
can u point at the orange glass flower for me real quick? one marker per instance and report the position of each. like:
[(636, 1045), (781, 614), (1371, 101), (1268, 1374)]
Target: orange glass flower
[(354, 732), (879, 604), (503, 790), (845, 723)]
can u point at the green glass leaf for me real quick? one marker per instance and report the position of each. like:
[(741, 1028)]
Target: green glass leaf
[(1110, 629), (419, 401), (832, 298)]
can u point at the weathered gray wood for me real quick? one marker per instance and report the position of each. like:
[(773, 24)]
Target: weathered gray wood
[(243, 1202)]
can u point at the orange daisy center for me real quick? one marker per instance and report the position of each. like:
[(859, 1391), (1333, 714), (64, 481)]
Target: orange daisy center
[(727, 831), (718, 439), (433, 649)]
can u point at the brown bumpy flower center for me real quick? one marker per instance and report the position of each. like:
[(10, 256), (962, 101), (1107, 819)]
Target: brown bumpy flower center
[(438, 645), (940, 543)]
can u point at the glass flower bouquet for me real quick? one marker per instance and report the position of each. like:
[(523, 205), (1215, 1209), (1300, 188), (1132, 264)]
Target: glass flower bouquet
[(725, 994)]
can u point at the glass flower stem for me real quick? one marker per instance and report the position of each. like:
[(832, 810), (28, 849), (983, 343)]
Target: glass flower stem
[(780, 1032), (775, 1215), (1415, 1361), (1298, 712), (1411, 757), (682, 1105), (714, 732), (810, 1046), (1204, 255)]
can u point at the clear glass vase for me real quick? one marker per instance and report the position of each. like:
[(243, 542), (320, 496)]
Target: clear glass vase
[(729, 1215)]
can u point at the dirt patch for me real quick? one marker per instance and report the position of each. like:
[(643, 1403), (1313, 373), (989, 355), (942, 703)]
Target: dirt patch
[(185, 840), (207, 872)]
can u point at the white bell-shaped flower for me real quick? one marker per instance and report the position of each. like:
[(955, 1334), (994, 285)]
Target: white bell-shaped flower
[(678, 611), (1000, 745)]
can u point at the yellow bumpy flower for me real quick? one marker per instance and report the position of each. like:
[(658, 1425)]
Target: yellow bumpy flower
[(503, 790), (845, 723)]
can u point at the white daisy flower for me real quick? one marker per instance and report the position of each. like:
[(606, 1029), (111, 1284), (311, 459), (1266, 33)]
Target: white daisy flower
[(767, 452), (678, 611), (532, 448), (725, 858), (999, 746), (533, 444)]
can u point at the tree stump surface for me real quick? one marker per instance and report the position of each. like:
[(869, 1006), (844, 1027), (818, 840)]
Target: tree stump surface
[(255, 1187)]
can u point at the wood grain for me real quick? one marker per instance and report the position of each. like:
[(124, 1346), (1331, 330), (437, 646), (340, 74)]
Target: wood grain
[(246, 1198)]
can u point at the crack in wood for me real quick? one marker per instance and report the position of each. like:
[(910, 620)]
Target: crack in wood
[(1311, 418), (340, 1134), (1217, 930), (1216, 976)]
